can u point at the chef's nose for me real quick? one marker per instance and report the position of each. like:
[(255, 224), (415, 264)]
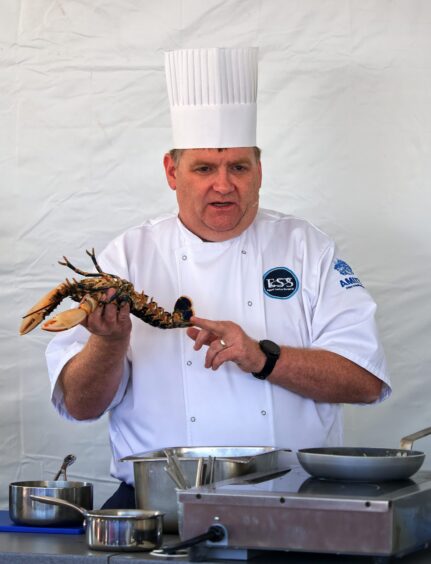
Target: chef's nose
[(223, 183)]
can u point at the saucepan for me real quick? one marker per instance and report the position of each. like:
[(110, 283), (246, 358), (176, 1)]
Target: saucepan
[(116, 529), (365, 464), (23, 511)]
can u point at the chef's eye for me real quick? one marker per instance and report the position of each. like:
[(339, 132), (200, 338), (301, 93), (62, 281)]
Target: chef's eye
[(203, 169), (239, 168)]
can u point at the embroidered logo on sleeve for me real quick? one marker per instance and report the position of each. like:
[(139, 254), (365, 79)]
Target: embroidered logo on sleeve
[(349, 280), (280, 283)]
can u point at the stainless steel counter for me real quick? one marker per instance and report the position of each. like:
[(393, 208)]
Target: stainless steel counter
[(235, 507), (31, 548)]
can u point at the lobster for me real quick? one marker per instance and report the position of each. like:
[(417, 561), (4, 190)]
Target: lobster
[(89, 292)]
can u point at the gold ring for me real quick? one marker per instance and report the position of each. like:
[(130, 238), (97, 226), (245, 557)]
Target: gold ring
[(223, 344)]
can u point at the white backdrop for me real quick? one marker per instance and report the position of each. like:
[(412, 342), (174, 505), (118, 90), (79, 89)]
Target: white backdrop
[(345, 127)]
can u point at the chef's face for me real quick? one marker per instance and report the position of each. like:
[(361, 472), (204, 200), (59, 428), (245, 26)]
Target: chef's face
[(217, 190)]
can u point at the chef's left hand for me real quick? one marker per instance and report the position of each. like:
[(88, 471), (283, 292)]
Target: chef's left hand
[(226, 341)]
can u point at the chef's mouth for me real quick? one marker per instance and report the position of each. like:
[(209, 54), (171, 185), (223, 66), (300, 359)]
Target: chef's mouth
[(221, 204)]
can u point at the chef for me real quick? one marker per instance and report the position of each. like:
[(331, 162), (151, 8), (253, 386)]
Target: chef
[(284, 331)]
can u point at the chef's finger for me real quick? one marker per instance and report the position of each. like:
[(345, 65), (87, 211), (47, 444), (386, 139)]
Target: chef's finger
[(216, 354), (94, 320), (205, 338), (96, 315), (220, 358), (108, 295), (124, 312), (192, 332), (196, 335), (110, 312), (217, 327)]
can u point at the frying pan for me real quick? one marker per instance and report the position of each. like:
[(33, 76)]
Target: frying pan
[(364, 464)]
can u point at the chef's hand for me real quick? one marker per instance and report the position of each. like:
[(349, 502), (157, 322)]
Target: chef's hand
[(109, 320), (226, 341)]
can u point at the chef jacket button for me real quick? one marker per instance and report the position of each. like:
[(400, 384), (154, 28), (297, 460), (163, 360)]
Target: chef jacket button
[(244, 252), (263, 412), (192, 419), (189, 363), (250, 303), (184, 257)]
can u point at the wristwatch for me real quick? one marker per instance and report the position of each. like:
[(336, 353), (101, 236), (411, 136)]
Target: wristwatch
[(272, 353)]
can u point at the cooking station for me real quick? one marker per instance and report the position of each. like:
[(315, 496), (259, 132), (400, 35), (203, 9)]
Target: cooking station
[(293, 518), (298, 513), (265, 506)]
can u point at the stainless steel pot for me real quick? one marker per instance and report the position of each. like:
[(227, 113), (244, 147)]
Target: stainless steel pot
[(116, 529), (155, 487), (24, 511), (365, 464)]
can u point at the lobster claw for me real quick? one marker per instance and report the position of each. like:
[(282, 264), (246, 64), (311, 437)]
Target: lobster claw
[(71, 317), (62, 321), (41, 309)]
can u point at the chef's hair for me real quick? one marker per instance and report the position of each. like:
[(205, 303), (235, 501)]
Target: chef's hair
[(175, 154)]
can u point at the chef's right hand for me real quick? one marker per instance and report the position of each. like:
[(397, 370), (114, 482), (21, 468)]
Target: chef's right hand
[(108, 320)]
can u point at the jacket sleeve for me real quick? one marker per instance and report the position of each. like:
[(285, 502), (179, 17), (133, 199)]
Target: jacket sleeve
[(344, 317)]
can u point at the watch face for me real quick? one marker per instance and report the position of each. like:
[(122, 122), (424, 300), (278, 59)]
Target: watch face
[(270, 348), (272, 353)]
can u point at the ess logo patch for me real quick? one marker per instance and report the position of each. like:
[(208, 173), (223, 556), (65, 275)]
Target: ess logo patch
[(280, 283)]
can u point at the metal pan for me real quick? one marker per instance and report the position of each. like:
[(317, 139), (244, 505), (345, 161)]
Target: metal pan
[(23, 511), (364, 464), (116, 529), (155, 487)]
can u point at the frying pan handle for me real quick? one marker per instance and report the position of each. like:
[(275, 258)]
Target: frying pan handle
[(215, 533), (407, 442)]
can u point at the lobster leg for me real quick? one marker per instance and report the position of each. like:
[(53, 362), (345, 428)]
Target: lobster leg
[(91, 254), (67, 263), (71, 317)]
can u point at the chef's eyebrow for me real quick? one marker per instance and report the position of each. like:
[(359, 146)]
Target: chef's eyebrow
[(241, 161)]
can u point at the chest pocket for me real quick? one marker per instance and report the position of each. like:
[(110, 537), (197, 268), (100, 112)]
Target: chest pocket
[(287, 316)]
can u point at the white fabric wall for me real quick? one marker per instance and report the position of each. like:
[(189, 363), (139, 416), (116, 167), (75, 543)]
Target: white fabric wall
[(345, 127)]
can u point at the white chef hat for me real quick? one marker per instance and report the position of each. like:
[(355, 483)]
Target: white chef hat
[(212, 95)]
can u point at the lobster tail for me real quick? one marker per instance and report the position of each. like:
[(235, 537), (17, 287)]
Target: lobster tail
[(184, 306)]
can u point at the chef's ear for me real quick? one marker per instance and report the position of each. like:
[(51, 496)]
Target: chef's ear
[(170, 170)]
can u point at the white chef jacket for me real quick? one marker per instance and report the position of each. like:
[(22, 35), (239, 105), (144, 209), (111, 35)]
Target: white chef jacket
[(281, 279)]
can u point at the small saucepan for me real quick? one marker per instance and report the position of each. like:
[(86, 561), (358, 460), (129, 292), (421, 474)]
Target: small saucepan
[(116, 529)]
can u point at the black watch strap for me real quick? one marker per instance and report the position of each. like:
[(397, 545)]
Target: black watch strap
[(272, 353)]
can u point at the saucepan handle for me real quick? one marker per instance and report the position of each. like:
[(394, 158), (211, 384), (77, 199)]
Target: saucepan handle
[(407, 442), (58, 501)]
